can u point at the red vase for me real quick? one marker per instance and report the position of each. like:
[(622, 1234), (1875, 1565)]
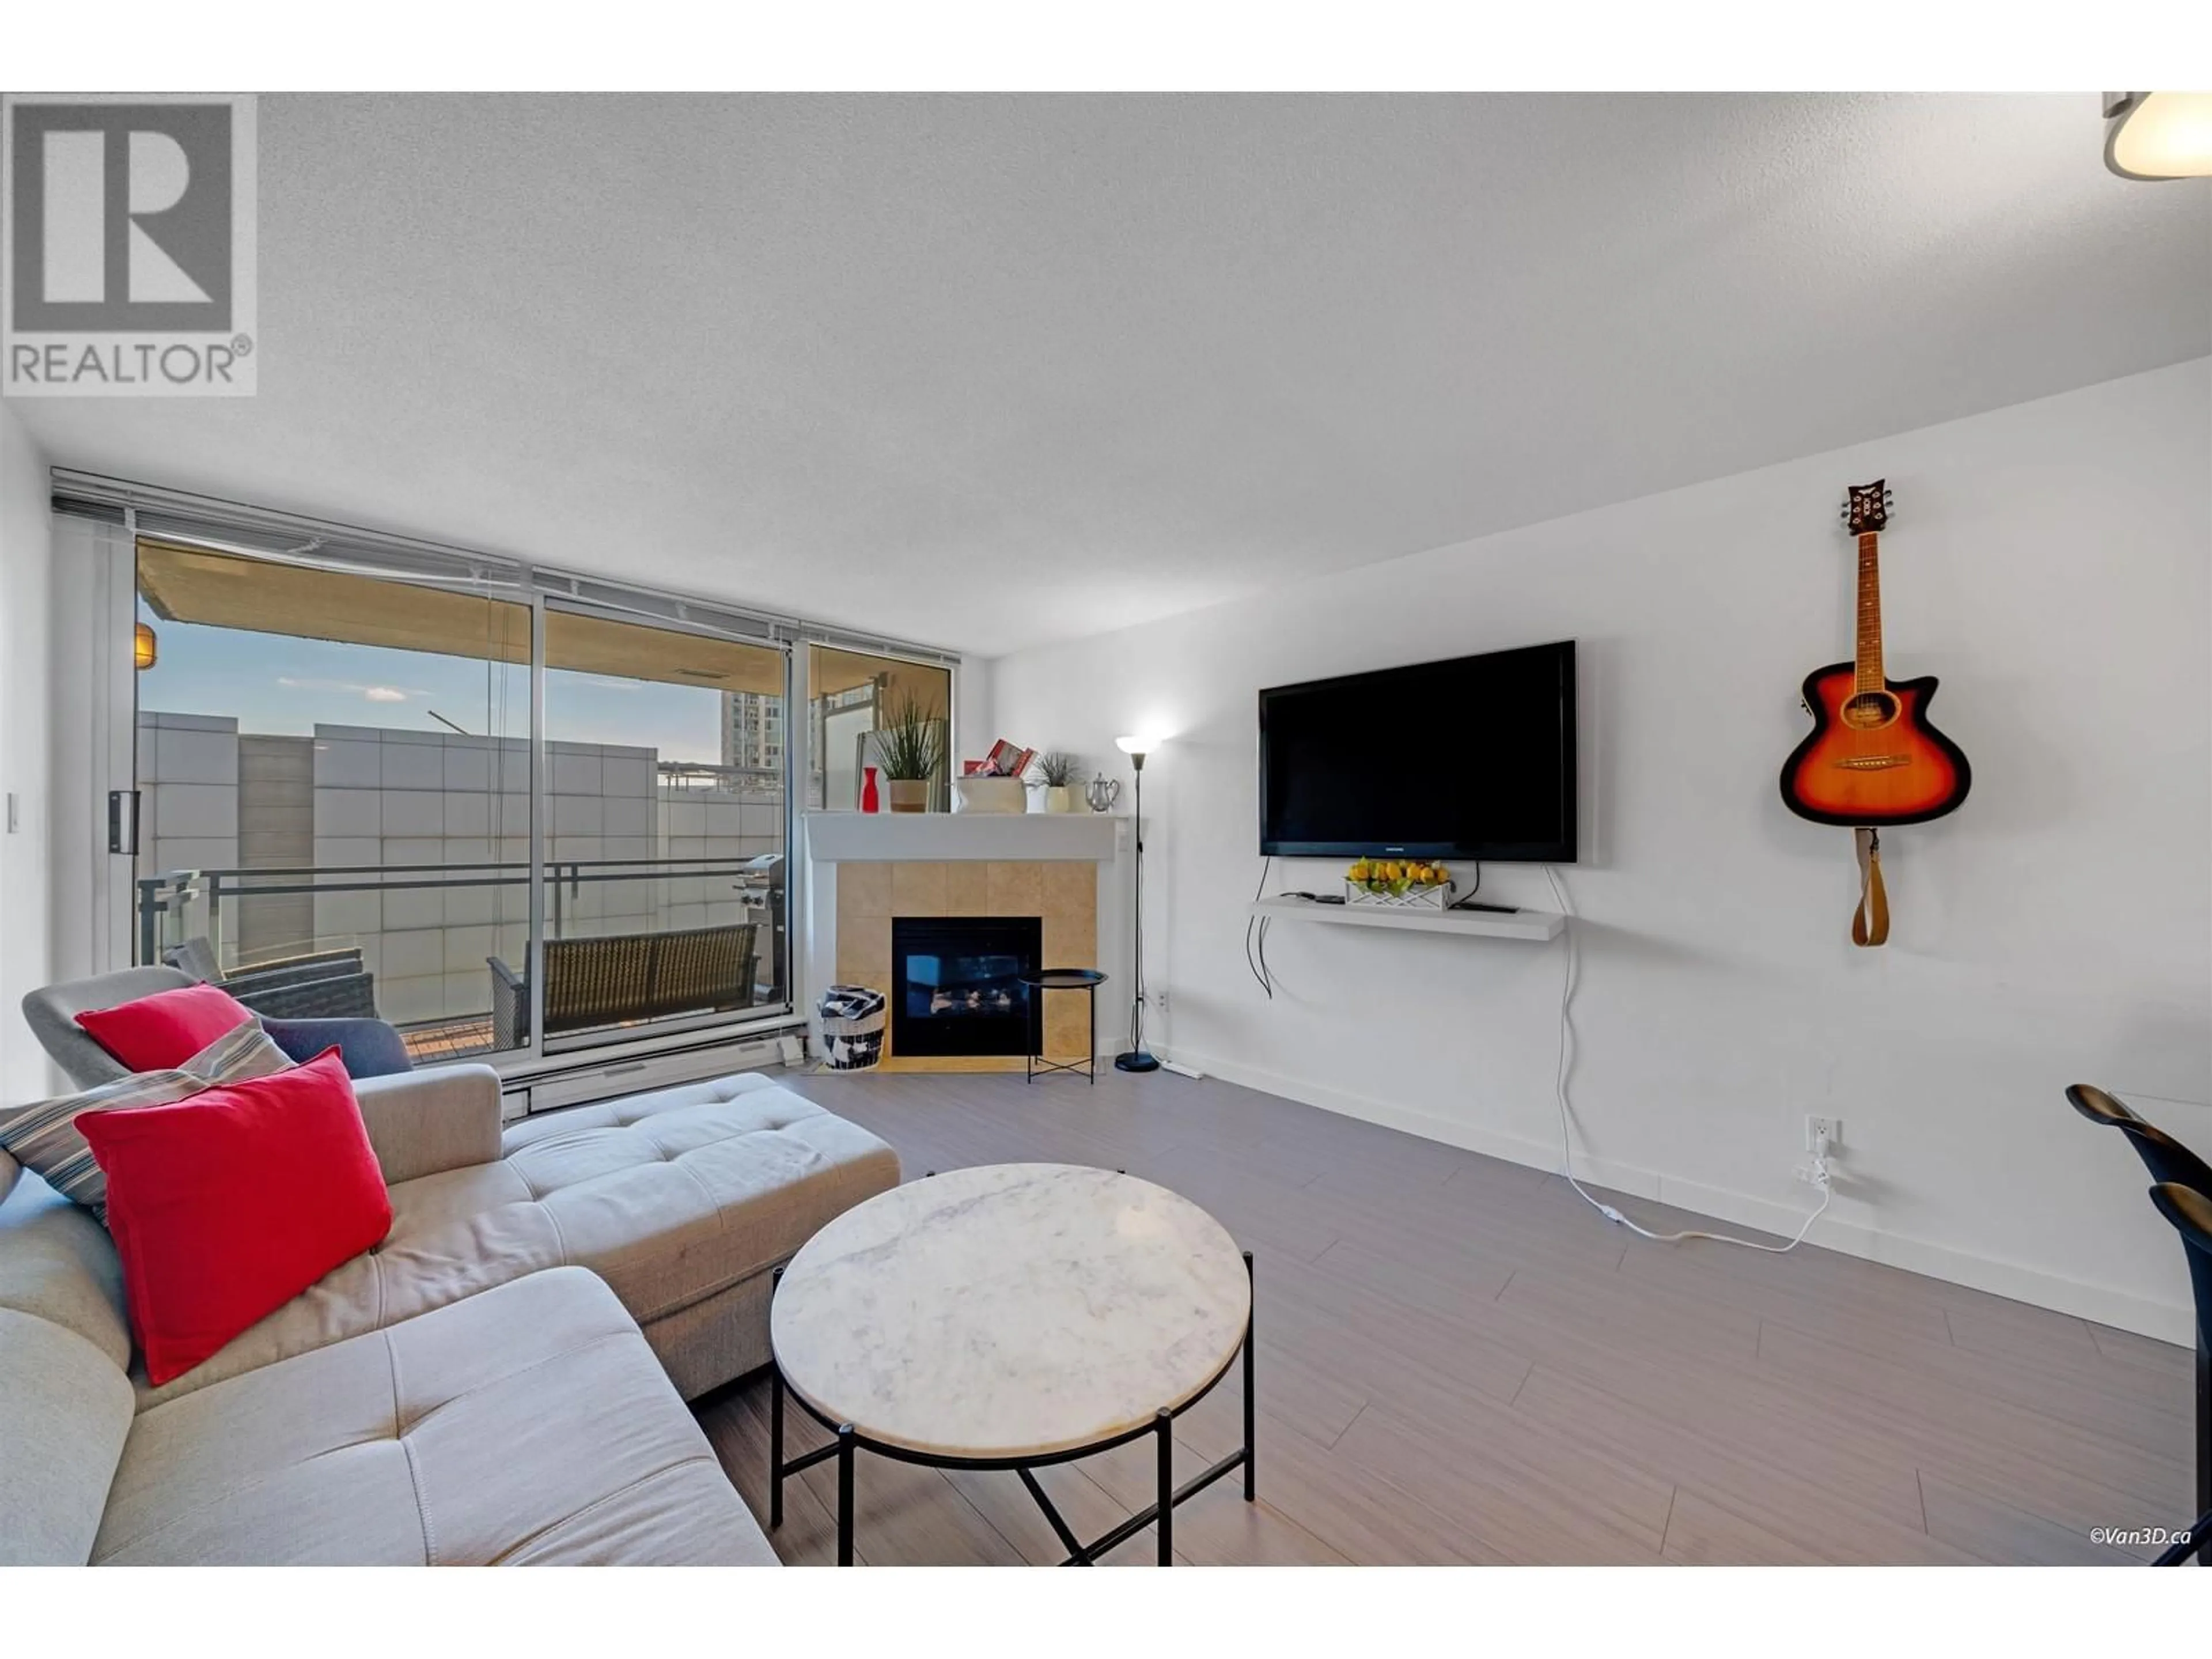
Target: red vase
[(869, 801)]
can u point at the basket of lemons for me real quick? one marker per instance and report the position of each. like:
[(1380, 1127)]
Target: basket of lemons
[(1406, 883)]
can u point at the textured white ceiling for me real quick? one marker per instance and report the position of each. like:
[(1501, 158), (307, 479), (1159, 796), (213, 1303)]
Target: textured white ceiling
[(988, 371)]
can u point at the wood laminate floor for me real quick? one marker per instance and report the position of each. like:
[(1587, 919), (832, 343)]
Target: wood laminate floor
[(1459, 1361)]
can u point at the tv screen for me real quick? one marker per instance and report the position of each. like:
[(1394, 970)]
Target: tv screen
[(1470, 758)]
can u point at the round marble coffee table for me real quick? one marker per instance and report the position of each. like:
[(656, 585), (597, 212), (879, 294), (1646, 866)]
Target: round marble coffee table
[(1006, 1317)]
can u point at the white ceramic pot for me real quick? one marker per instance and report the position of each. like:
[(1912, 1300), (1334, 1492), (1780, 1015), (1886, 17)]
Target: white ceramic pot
[(989, 795)]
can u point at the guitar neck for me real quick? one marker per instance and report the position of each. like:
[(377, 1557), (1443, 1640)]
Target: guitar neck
[(1869, 641)]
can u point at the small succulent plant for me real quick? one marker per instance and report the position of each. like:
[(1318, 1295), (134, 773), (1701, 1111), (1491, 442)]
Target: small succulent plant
[(1054, 770)]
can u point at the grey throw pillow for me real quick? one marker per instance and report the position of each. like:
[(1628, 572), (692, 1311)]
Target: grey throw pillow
[(45, 1137)]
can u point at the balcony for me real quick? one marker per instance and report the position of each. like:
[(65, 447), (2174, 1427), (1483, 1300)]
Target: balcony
[(441, 951)]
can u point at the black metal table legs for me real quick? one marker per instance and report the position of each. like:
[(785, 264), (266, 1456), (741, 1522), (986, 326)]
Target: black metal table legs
[(845, 1438), (1159, 1514), (1033, 1064), (1251, 1400), (775, 1444), (780, 1466), (2203, 1446), (1068, 1540), (1165, 1430)]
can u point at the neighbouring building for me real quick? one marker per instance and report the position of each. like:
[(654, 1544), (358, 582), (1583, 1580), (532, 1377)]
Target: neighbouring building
[(752, 733), (391, 815)]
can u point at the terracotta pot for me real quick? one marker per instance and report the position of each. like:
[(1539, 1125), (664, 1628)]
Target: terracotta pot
[(908, 794)]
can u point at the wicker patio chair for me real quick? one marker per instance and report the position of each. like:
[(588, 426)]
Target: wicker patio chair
[(317, 985)]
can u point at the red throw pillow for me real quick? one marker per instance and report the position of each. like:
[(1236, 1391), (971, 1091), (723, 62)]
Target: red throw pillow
[(227, 1206), (167, 1028)]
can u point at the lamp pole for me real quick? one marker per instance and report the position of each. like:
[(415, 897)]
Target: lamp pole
[(1137, 1059)]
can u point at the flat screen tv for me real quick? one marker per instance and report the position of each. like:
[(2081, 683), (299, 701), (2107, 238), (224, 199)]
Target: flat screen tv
[(1470, 758)]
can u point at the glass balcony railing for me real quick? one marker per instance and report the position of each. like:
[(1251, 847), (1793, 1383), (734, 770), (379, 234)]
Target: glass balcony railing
[(442, 951)]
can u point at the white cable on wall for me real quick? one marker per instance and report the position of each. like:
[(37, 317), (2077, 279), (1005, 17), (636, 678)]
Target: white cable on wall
[(1568, 978)]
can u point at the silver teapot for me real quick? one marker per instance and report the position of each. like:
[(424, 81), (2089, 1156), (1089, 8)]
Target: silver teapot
[(1102, 793)]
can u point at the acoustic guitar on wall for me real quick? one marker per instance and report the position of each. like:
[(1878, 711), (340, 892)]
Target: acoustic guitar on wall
[(1872, 759)]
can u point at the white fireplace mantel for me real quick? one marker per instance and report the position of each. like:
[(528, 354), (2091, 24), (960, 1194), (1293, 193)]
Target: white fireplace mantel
[(830, 840), (892, 837)]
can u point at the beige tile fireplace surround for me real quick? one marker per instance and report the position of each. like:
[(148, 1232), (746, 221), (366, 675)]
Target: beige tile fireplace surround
[(1064, 896), (865, 879)]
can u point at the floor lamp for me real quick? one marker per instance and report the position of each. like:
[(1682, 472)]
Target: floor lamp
[(1137, 1059)]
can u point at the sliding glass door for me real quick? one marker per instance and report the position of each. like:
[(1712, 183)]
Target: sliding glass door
[(334, 788), (345, 807), (664, 862)]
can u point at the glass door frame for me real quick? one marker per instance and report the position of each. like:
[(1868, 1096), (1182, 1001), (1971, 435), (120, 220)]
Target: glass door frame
[(805, 641), (116, 897), (115, 514), (124, 928), (117, 798), (677, 1031)]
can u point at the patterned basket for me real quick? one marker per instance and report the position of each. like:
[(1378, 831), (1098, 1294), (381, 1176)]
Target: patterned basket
[(853, 1019), (1437, 897)]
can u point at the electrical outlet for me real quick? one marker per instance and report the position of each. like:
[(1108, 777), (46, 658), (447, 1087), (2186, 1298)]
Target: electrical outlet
[(1817, 1128), (1160, 1001)]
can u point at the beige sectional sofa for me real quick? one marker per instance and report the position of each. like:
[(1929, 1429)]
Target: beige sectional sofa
[(493, 1383)]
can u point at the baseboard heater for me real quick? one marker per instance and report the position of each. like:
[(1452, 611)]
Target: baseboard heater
[(609, 1078)]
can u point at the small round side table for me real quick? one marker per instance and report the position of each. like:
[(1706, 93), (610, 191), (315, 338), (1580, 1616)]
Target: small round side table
[(1040, 979)]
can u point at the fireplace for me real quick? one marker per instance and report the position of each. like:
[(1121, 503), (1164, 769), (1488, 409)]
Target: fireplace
[(954, 990)]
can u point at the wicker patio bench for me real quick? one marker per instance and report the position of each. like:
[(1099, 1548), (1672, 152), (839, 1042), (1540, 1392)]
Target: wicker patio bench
[(620, 977)]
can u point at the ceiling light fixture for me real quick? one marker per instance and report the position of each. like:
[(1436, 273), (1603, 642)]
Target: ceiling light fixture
[(2159, 135)]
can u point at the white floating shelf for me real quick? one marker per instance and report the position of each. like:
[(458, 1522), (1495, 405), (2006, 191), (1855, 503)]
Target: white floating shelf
[(1538, 925)]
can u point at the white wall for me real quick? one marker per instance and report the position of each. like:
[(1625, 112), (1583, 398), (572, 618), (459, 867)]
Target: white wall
[(972, 711), (2052, 562), (26, 567)]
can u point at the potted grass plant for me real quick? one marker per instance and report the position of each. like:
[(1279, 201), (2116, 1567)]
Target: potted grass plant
[(1055, 772), (911, 741)]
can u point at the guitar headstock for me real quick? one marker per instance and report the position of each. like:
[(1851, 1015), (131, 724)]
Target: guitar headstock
[(1867, 508)]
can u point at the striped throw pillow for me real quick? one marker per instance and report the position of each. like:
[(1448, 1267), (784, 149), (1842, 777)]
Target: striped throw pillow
[(44, 1138)]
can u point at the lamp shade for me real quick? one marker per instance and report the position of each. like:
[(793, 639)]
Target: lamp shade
[(2159, 135), (142, 650), (1140, 744)]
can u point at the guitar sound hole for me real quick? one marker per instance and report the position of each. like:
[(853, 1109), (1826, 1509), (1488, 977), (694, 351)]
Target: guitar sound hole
[(1869, 709)]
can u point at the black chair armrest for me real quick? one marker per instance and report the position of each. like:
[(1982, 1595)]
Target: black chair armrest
[(510, 1007)]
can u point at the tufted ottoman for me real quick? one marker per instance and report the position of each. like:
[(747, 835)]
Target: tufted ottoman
[(681, 1200)]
